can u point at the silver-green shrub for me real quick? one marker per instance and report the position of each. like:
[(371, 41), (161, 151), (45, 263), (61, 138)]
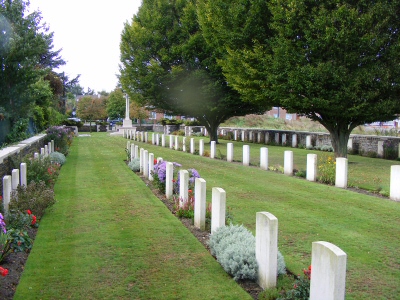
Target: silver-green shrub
[(134, 165), (234, 247), (57, 157)]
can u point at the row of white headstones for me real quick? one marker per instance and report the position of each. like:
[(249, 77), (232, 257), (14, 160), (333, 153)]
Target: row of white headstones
[(341, 175), (18, 176), (328, 261)]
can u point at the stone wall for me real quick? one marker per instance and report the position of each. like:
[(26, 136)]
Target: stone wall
[(357, 143), (12, 154)]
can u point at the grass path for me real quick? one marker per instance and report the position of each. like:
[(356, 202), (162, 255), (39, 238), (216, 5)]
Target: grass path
[(108, 237), (367, 228)]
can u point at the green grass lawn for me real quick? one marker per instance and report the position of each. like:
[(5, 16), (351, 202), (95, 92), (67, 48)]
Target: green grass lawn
[(109, 237), (367, 228)]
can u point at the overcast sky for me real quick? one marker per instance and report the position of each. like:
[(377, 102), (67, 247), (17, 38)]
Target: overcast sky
[(89, 33)]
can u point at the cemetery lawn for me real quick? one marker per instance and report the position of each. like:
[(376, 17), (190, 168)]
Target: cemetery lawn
[(366, 227), (109, 237)]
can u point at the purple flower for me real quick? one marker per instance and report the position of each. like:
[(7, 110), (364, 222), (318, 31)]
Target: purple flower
[(2, 224)]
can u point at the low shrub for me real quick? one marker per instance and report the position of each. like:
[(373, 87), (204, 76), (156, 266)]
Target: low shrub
[(301, 173), (20, 240), (301, 287), (57, 157), (42, 170), (327, 148), (234, 248), (179, 132), (134, 165), (326, 169), (62, 137), (35, 197)]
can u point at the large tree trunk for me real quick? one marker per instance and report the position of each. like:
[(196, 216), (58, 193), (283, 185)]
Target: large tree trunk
[(340, 137), (212, 130)]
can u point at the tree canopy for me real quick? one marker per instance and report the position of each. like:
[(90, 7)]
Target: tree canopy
[(336, 62), (116, 104), (26, 58), (165, 59)]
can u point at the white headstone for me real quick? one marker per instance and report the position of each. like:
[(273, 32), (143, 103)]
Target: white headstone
[(246, 155), (171, 141), (308, 141), (294, 140), (266, 138), (137, 151), (141, 160), (350, 144), (146, 163), (311, 167), (380, 148), (176, 142), (163, 140), (49, 147), (341, 172), (23, 171), (14, 179), (151, 166), (264, 158), (183, 187), (192, 145), (184, 144), (395, 182), (200, 203), (243, 135), (201, 147), (46, 151), (328, 274), (283, 139), (157, 139), (235, 135), (288, 163), (213, 149), (132, 151), (218, 203), (6, 193), (229, 152), (146, 137), (52, 145), (169, 176), (36, 155), (153, 138), (267, 249)]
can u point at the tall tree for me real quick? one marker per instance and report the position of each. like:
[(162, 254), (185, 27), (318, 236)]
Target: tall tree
[(26, 55), (116, 104), (336, 62), (165, 59), (91, 108)]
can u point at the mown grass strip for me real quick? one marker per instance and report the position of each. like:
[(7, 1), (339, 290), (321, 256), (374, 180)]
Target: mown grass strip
[(109, 237), (367, 228)]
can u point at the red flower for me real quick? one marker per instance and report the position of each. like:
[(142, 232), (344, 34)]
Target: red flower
[(19, 243), (1, 198), (155, 161), (190, 191), (33, 220), (173, 180), (3, 272), (28, 212)]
